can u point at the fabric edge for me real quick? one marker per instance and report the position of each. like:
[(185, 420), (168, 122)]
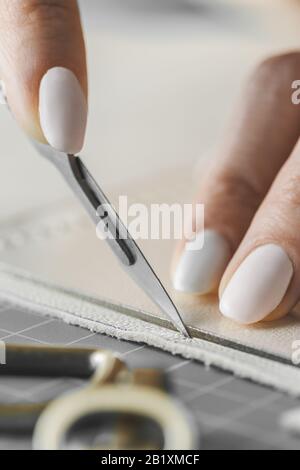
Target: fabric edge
[(26, 293)]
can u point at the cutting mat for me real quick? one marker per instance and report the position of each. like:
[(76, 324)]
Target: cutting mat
[(231, 413)]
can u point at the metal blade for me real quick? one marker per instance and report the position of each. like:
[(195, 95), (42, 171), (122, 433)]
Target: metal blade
[(143, 274), (124, 246)]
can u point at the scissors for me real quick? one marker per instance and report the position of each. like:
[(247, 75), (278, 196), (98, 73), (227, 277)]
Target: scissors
[(117, 409), (120, 241)]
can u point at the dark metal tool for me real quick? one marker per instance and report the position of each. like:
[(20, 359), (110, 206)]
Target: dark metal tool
[(104, 215), (117, 236)]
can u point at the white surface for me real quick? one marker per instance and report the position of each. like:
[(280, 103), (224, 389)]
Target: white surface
[(59, 246)]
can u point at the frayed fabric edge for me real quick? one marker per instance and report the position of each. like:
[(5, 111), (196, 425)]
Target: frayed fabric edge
[(26, 292)]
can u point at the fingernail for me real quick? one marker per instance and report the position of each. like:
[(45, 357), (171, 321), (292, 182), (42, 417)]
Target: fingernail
[(258, 286), (202, 263), (63, 110)]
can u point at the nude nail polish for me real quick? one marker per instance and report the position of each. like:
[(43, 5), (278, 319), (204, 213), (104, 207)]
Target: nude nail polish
[(202, 263), (63, 110), (258, 286)]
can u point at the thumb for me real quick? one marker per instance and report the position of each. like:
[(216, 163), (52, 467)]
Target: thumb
[(43, 67)]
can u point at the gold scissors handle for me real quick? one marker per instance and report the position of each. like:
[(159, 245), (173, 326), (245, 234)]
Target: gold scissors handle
[(51, 361), (124, 411), (133, 406)]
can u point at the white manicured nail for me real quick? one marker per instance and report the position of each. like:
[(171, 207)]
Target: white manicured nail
[(63, 110), (258, 286), (202, 264)]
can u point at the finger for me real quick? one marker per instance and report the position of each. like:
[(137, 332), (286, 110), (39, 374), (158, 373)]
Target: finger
[(260, 139), (262, 280), (43, 67)]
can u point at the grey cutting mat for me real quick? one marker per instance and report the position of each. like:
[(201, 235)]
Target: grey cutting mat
[(231, 413)]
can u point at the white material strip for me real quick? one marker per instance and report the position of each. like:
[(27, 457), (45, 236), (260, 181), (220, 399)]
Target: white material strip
[(74, 309)]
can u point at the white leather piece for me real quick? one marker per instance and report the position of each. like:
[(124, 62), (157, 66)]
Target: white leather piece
[(96, 316), (58, 247)]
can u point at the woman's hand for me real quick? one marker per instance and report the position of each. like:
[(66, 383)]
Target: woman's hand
[(252, 205), (43, 68)]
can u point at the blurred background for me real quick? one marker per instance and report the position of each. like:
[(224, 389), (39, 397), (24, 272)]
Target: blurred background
[(164, 76)]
